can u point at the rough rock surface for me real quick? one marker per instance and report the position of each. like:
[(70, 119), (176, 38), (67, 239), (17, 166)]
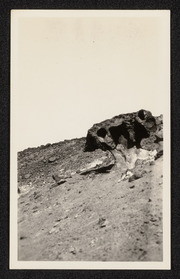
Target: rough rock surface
[(104, 204), (139, 129)]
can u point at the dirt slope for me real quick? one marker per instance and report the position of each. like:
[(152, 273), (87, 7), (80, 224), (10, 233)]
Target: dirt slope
[(92, 217)]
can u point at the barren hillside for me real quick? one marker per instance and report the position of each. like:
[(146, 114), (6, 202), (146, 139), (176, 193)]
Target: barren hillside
[(97, 198)]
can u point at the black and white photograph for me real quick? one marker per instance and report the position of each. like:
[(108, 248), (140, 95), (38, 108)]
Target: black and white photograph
[(90, 139)]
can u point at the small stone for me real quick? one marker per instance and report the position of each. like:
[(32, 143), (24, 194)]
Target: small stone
[(52, 230), (57, 184), (131, 187), (52, 159), (53, 186), (132, 178), (137, 174), (92, 243), (22, 237), (72, 250), (31, 157), (59, 178), (27, 175), (61, 181), (153, 220), (36, 195), (102, 222)]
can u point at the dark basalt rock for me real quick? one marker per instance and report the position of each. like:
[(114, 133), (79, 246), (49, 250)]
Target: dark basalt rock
[(140, 129)]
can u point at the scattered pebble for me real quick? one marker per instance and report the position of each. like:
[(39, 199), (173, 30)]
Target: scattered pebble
[(102, 222), (36, 195), (57, 184), (136, 175), (52, 230), (22, 237), (52, 159), (92, 243), (27, 175), (153, 220), (72, 250)]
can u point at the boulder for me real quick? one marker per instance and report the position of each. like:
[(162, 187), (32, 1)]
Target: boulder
[(125, 130)]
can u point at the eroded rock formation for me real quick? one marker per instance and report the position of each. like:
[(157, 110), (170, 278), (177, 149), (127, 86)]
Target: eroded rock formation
[(140, 129), (132, 137)]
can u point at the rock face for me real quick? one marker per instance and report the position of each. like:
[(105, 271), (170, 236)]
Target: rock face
[(140, 129)]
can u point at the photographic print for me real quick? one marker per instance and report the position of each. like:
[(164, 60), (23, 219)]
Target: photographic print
[(90, 139)]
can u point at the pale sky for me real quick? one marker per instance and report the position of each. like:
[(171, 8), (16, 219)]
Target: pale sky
[(71, 72)]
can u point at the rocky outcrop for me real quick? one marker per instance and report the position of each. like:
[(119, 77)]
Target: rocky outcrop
[(102, 165), (140, 129)]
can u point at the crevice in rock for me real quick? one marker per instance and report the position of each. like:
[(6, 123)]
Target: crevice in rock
[(102, 132), (118, 131), (140, 133)]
